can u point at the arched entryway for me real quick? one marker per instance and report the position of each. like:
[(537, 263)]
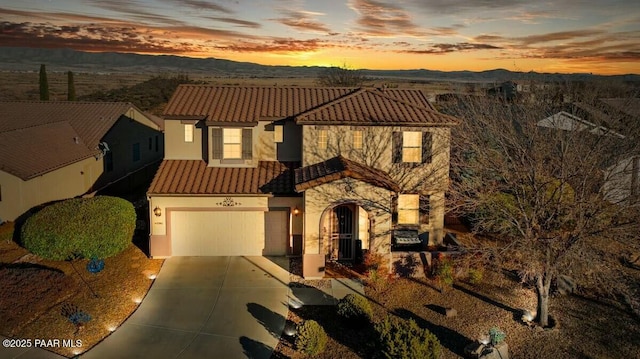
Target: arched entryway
[(346, 229)]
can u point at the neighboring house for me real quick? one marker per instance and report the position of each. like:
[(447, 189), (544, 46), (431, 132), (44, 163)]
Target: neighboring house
[(621, 184), (321, 172), (56, 150)]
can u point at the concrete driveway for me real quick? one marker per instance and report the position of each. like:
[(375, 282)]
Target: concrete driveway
[(206, 307)]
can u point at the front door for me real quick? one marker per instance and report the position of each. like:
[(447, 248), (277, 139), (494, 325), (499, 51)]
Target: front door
[(344, 229)]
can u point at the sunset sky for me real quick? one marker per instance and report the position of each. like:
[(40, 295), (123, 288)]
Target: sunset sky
[(600, 37)]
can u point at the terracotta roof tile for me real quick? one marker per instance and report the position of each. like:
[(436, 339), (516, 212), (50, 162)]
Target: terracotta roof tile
[(37, 137), (374, 107), (339, 167), (232, 104), (194, 177)]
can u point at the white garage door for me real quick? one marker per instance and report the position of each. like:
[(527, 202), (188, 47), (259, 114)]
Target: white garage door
[(276, 232), (201, 233)]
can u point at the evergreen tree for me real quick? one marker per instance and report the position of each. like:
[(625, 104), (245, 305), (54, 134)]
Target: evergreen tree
[(44, 84), (71, 87)]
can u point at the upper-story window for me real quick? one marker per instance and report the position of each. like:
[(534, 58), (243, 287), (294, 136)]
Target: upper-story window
[(232, 143), (188, 132), (278, 133), (357, 139), (412, 147), (323, 139)]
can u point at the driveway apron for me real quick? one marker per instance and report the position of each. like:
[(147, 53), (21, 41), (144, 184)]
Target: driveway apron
[(215, 307)]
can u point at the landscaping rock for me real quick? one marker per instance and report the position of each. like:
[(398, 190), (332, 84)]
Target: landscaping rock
[(450, 312), (500, 351)]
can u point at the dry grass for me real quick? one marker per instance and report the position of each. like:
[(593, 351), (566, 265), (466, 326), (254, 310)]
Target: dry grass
[(33, 293)]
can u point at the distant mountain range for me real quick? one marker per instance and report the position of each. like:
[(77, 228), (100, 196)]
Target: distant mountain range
[(29, 59)]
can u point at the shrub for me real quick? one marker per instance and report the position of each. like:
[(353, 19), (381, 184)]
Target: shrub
[(475, 275), (404, 339), (496, 336), (96, 227), (355, 308), (443, 270), (311, 339)]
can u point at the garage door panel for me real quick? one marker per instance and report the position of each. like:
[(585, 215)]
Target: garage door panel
[(217, 233)]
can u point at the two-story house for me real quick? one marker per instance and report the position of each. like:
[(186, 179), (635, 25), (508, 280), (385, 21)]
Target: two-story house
[(53, 150), (321, 172)]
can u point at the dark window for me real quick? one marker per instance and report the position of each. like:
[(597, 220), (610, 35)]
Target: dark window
[(157, 143), (136, 152), (150, 143), (108, 162)]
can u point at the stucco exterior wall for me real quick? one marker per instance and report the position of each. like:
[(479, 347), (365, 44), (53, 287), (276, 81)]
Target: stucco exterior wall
[(121, 139), (265, 147), (376, 201), (19, 196), (430, 179), (177, 148)]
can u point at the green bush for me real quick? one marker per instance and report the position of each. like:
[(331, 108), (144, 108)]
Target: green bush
[(96, 227), (355, 308), (406, 340), (443, 270), (311, 339), (475, 275)]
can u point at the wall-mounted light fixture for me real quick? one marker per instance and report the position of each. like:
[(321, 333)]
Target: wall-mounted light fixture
[(157, 211), (296, 211)]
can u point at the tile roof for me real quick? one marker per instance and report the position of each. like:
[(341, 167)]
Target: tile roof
[(194, 177), (339, 167), (37, 137), (374, 107), (247, 105)]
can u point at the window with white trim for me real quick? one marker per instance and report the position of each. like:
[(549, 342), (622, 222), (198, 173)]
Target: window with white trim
[(408, 209), (278, 133), (357, 139), (188, 132), (323, 139), (411, 146), (232, 143)]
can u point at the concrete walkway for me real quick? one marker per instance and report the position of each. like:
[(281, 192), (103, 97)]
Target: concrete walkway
[(210, 307)]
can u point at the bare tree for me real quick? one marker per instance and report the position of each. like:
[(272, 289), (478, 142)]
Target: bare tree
[(341, 76), (546, 193)]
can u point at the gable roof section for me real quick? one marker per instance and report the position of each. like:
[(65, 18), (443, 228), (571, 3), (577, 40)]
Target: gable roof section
[(247, 105), (37, 137), (194, 177), (373, 107), (337, 168)]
